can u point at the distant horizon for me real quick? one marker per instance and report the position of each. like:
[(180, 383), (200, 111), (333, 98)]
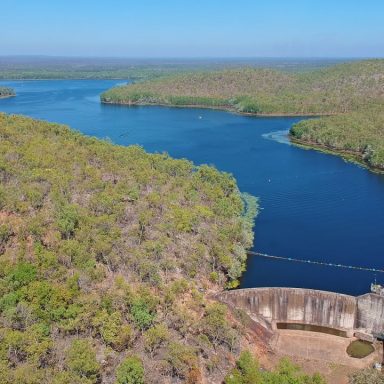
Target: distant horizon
[(68, 56)]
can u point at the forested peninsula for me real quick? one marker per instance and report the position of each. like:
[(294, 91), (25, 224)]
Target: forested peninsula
[(6, 92), (349, 96), (107, 256)]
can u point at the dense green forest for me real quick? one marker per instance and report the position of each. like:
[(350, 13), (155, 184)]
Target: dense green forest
[(6, 92), (107, 256), (350, 95)]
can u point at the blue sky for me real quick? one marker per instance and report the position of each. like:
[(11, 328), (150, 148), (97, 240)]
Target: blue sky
[(193, 28)]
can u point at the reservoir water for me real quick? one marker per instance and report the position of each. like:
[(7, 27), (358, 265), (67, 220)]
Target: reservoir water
[(313, 206)]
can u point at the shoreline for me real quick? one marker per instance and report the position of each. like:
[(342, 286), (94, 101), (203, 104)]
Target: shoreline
[(217, 108), (350, 156)]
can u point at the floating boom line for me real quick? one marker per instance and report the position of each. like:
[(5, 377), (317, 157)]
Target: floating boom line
[(323, 263)]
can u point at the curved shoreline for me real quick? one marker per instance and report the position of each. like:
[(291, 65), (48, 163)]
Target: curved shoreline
[(351, 156)]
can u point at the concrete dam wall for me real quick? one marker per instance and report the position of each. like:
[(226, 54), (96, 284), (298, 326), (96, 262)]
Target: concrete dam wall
[(370, 313), (268, 306)]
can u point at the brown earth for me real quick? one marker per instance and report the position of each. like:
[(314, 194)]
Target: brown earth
[(317, 352)]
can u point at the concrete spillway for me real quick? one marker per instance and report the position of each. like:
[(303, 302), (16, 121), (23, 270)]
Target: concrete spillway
[(362, 315)]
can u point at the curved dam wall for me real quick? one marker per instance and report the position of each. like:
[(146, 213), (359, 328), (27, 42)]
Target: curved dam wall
[(269, 306)]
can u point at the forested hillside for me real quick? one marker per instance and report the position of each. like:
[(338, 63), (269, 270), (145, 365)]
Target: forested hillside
[(107, 255), (356, 135), (352, 91), (333, 90)]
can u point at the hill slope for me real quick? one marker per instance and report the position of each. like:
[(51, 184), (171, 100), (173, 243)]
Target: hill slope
[(263, 91), (105, 255), (358, 136)]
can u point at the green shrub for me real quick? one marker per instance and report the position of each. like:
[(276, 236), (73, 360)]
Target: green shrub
[(81, 360), (130, 371)]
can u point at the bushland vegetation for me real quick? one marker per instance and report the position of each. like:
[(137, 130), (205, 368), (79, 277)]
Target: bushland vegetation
[(367, 376), (357, 135), (247, 371), (107, 254)]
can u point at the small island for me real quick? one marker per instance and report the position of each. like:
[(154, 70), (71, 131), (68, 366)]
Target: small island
[(6, 92), (347, 97)]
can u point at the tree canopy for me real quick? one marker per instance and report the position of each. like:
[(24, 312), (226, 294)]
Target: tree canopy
[(106, 252)]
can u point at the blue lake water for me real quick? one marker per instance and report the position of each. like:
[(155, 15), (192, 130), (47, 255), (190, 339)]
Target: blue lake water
[(313, 206)]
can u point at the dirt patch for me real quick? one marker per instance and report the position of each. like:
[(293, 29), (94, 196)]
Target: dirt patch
[(316, 352)]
